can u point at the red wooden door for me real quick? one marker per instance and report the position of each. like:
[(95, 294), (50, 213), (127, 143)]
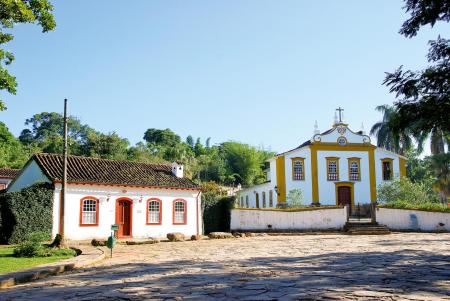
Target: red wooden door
[(123, 218), (344, 196)]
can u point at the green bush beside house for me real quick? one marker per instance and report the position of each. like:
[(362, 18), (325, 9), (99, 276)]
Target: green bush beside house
[(25, 212)]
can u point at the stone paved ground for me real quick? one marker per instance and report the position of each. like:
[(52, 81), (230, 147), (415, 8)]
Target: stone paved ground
[(311, 267)]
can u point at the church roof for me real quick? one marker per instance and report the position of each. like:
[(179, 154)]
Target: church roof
[(86, 170), (8, 173)]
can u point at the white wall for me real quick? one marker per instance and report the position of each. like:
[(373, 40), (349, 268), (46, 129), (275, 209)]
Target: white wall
[(382, 154), (107, 210), (400, 219), (31, 175), (327, 189), (250, 192), (306, 185), (320, 219)]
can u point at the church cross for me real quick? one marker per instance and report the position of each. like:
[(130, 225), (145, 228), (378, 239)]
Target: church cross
[(340, 114)]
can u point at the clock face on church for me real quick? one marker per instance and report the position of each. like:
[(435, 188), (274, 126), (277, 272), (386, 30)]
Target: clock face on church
[(342, 141)]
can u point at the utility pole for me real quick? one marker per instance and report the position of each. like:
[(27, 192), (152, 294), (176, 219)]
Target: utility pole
[(64, 179)]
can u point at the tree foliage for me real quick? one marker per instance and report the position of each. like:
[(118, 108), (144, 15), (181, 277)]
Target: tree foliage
[(424, 12), (15, 12)]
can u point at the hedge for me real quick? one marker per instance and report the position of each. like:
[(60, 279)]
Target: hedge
[(25, 212), (216, 212)]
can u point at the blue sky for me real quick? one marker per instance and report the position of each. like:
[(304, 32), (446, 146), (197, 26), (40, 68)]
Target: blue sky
[(259, 72)]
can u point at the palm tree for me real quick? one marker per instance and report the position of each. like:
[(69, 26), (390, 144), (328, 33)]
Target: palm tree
[(440, 165), (387, 138)]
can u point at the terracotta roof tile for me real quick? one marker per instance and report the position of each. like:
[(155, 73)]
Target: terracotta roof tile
[(8, 173), (100, 171)]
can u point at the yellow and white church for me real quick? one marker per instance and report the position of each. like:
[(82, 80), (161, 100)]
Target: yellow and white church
[(336, 167)]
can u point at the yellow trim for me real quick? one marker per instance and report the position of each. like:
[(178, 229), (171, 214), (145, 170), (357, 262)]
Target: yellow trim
[(357, 160), (337, 167), (314, 176), (402, 167), (391, 162), (373, 179), (352, 192), (298, 159), (281, 179), (331, 146)]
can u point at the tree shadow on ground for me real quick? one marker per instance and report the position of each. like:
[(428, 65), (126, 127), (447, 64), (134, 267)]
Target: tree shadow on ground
[(259, 278)]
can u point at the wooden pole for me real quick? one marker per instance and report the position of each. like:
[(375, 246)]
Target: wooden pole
[(64, 179)]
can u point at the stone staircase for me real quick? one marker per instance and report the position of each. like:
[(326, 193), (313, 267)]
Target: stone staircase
[(363, 227)]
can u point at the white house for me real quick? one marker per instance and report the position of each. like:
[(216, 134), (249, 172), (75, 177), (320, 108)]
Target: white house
[(336, 167), (6, 176), (145, 200)]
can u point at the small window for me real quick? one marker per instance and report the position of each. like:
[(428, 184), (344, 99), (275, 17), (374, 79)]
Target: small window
[(270, 198), (154, 212), (257, 200), (89, 212), (298, 169), (179, 212), (241, 204), (264, 199), (387, 170), (246, 201), (333, 169), (354, 173)]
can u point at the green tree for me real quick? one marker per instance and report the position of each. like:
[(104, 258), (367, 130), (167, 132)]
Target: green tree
[(244, 163), (13, 12), (162, 137), (105, 146), (387, 136), (190, 141), (45, 130), (12, 153)]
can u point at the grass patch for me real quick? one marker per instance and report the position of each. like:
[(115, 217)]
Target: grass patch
[(432, 207), (9, 263)]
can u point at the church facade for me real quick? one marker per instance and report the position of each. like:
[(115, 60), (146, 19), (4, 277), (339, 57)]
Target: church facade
[(336, 167)]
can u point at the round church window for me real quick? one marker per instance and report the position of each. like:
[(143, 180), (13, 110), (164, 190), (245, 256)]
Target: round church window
[(342, 141)]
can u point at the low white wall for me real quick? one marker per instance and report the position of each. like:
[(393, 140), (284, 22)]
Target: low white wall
[(320, 219), (401, 219)]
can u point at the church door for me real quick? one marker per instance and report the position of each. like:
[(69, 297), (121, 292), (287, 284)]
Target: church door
[(123, 217), (344, 196)]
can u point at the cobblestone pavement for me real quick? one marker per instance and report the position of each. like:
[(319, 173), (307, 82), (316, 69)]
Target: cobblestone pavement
[(406, 266)]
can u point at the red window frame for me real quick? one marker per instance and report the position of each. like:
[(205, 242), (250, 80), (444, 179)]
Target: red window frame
[(160, 211), (97, 209), (185, 211)]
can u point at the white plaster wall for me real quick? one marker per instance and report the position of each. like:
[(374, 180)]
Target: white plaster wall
[(250, 192), (327, 189), (400, 219), (321, 219), (31, 175), (349, 135), (107, 210), (306, 185), (381, 154)]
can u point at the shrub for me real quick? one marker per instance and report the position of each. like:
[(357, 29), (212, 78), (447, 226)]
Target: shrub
[(294, 198), (32, 246), (406, 191), (404, 194), (216, 212), (25, 212)]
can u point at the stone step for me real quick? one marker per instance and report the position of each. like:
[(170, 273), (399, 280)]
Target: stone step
[(366, 229)]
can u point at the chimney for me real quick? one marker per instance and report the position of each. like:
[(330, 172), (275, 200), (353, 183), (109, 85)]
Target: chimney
[(177, 169)]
